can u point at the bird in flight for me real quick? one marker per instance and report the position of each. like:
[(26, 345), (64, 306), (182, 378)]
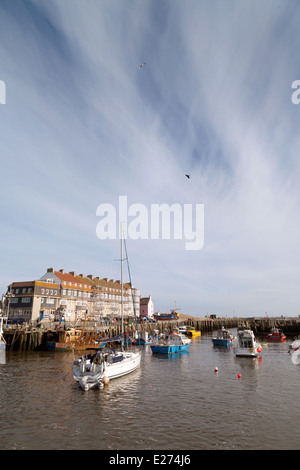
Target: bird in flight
[(188, 176), (142, 65)]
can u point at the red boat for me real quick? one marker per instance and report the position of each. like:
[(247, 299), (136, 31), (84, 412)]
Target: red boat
[(276, 336)]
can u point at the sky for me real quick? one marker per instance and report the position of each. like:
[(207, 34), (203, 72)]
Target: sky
[(82, 125)]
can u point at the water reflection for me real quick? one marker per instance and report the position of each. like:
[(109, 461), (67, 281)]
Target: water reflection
[(46, 409)]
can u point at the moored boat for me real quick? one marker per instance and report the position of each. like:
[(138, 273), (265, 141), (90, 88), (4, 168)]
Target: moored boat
[(276, 336), (72, 338), (247, 344), (102, 364), (183, 329), (223, 338), (166, 316), (171, 343), (145, 339), (191, 331)]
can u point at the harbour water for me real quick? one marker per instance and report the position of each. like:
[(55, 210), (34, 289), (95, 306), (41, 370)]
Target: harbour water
[(177, 402)]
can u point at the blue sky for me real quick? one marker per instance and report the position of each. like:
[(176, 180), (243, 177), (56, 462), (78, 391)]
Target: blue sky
[(82, 126)]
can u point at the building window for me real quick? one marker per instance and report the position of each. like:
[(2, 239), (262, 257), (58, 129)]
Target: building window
[(25, 300)]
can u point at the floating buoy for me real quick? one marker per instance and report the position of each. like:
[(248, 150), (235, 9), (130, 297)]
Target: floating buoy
[(105, 380), (239, 376), (216, 369)]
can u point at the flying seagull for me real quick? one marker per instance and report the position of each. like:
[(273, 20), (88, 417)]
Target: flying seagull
[(142, 65), (188, 176)]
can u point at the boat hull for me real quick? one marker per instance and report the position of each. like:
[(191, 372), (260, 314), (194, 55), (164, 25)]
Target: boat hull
[(222, 342), (164, 317), (193, 334), (246, 352), (165, 349), (276, 339)]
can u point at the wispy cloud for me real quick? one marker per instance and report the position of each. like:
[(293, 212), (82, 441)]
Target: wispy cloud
[(82, 126)]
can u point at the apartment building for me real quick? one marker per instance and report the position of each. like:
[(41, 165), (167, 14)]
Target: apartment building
[(58, 294), (31, 300)]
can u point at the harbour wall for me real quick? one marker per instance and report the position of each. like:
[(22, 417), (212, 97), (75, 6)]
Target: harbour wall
[(24, 339)]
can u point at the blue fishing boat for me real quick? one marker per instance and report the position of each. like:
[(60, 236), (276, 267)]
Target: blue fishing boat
[(223, 338), (171, 343)]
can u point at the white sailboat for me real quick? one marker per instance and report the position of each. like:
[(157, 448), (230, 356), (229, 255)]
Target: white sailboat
[(2, 340), (94, 370)]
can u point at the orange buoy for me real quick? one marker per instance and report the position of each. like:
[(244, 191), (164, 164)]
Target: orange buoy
[(239, 376), (216, 369)]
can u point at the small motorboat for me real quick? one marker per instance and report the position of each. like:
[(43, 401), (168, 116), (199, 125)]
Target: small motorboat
[(191, 331), (183, 329), (171, 343), (276, 336), (223, 338), (247, 344)]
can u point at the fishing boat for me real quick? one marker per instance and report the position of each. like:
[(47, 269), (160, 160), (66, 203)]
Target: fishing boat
[(2, 340), (247, 344), (191, 331), (166, 316), (276, 336), (99, 365), (171, 343), (223, 338), (71, 338)]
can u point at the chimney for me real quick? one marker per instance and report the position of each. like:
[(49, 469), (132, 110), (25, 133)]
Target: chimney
[(62, 271), (50, 270), (81, 275), (72, 273), (90, 276)]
